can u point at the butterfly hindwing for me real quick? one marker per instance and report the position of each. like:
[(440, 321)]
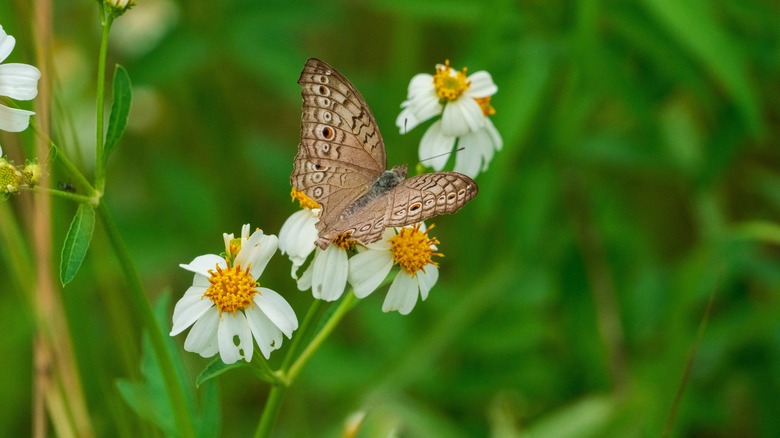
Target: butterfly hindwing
[(413, 200)]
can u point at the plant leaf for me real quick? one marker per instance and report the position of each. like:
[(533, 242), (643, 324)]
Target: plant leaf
[(76, 243), (120, 109)]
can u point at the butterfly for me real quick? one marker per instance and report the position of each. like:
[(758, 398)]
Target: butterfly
[(341, 164)]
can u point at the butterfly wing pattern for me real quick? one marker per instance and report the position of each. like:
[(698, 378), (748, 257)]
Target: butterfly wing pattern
[(341, 160)]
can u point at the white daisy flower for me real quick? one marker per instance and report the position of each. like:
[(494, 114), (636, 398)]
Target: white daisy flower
[(411, 249), (464, 104), (226, 306), (299, 232), (17, 81)]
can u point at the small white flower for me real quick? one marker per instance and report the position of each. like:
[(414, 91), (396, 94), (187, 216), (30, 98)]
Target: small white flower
[(412, 250), (464, 104), (226, 304), (17, 81)]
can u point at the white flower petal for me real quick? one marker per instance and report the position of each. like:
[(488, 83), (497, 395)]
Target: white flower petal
[(202, 339), (330, 273), (402, 295), (461, 116), (482, 85), (203, 264), (277, 309), (425, 106), (477, 149), (256, 252), (189, 309), (368, 269), (230, 327), (304, 283), (406, 120), (19, 81), (297, 237), (498, 142), (267, 335), (420, 83), (13, 119), (427, 279), (7, 43), (435, 146)]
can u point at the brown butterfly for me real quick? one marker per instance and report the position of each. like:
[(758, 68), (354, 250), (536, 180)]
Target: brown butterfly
[(341, 164)]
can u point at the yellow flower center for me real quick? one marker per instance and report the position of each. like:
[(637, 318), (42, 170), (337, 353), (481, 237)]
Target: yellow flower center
[(484, 105), (10, 177), (344, 242), (303, 200), (231, 289), (412, 250), (450, 84)]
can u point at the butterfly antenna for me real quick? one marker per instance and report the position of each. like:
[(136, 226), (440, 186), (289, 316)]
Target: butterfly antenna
[(446, 153)]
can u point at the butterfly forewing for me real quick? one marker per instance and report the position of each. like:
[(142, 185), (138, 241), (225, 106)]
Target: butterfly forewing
[(341, 151)]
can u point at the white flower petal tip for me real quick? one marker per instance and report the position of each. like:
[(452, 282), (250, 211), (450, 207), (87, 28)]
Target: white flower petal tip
[(17, 81)]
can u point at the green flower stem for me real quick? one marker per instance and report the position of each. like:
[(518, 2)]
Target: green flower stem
[(141, 307), (106, 18), (291, 369), (67, 195), (303, 332), (345, 306), (76, 173), (271, 411)]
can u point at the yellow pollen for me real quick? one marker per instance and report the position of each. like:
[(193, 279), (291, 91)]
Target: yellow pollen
[(232, 289), (484, 105), (450, 84), (412, 250), (303, 200), (233, 248), (343, 241), (10, 177)]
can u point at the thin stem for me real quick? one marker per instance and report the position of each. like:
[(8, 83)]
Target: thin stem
[(141, 307), (271, 411), (345, 306), (106, 18), (302, 333), (670, 419), (74, 172), (274, 403), (82, 199)]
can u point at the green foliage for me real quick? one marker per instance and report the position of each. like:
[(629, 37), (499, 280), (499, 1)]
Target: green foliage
[(77, 243), (640, 174), (148, 397), (120, 109)]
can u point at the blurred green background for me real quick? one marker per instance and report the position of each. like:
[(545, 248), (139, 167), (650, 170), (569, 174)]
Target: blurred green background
[(639, 176)]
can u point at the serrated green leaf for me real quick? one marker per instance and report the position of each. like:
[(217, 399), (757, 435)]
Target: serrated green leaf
[(120, 109), (77, 242)]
